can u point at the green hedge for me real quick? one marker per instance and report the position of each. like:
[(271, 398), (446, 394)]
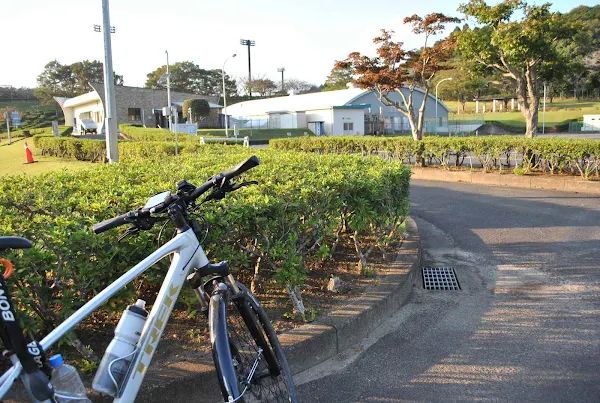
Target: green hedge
[(70, 147), (549, 154), (304, 205), (137, 133)]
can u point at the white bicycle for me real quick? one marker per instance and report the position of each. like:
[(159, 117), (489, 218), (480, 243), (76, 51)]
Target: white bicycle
[(249, 360)]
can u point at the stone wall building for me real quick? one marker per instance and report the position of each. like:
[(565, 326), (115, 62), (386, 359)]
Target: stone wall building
[(137, 106)]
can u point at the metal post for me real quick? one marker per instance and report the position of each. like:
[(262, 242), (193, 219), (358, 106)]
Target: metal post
[(7, 117), (281, 70), (225, 94), (169, 94), (249, 70), (544, 113), (112, 149)]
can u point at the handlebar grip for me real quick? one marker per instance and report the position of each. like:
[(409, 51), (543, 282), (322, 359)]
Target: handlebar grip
[(111, 223), (241, 168), (227, 174)]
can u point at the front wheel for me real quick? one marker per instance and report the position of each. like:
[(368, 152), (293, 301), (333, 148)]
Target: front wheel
[(248, 357)]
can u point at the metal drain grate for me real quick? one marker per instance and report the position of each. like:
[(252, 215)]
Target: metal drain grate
[(440, 278)]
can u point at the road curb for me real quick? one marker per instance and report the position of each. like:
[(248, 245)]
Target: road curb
[(307, 345), (547, 182), (343, 327)]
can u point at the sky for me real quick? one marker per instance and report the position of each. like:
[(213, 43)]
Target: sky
[(305, 37)]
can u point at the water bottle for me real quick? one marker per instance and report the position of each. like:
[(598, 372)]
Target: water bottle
[(68, 387), (121, 350)]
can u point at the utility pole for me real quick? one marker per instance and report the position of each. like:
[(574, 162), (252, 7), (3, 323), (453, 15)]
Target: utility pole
[(169, 91), (112, 149), (281, 70), (248, 42)]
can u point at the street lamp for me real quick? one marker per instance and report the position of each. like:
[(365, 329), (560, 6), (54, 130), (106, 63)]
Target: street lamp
[(437, 101), (225, 96)]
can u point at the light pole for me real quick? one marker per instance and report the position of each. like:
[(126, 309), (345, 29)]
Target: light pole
[(248, 42), (436, 102), (110, 118), (225, 96), (281, 70), (169, 90)]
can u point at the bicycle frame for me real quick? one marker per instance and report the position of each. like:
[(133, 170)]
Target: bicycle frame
[(187, 254)]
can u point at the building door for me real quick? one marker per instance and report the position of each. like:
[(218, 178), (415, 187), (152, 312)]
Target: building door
[(319, 128)]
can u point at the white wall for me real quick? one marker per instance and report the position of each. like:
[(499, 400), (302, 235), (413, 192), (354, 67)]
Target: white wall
[(94, 108), (301, 120), (321, 115), (355, 116)]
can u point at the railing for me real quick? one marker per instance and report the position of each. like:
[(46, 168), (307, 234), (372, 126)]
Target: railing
[(245, 140)]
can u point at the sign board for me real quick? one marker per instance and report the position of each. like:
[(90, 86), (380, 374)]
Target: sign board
[(236, 130), (55, 128), (188, 128), (15, 118)]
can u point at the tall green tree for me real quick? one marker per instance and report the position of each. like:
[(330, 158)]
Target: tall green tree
[(338, 79), (189, 77), (62, 80), (523, 49)]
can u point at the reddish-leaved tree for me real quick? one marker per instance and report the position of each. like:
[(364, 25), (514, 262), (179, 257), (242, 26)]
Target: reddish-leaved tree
[(394, 67)]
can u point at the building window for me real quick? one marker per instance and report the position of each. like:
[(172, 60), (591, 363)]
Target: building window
[(441, 122), (98, 117), (348, 126), (134, 113)]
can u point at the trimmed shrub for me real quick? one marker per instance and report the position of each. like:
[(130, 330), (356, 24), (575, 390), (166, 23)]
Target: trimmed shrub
[(303, 207), (549, 154)]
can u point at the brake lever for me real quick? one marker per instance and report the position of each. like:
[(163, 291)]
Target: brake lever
[(241, 185), (130, 231)]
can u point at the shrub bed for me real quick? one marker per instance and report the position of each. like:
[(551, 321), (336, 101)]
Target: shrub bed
[(548, 154), (137, 133), (304, 206)]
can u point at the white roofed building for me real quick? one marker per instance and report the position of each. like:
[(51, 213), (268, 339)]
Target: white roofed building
[(352, 111), (137, 106)]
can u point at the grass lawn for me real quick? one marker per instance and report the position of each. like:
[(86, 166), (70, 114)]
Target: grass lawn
[(256, 134), (12, 158), (556, 113)]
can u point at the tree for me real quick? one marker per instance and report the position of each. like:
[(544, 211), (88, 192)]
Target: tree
[(299, 86), (339, 78), (199, 109), (522, 49), (581, 50), (261, 85), (61, 80), (393, 67), (189, 77)]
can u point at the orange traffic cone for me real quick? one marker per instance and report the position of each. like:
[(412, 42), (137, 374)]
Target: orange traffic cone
[(28, 155)]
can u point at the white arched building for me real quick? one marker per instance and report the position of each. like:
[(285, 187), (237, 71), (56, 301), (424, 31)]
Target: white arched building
[(344, 112)]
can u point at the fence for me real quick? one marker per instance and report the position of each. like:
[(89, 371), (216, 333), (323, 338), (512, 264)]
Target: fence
[(396, 126)]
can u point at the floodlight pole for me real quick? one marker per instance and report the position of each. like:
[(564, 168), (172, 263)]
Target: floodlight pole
[(225, 96), (281, 70), (112, 149), (437, 101), (248, 43)]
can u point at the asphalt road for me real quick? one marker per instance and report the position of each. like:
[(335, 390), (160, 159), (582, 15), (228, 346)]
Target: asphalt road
[(524, 328)]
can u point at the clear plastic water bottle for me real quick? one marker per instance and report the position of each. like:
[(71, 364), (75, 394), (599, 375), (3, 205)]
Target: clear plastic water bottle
[(68, 387)]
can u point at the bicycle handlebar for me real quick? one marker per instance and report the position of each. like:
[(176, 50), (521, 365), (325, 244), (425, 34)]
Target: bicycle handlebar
[(112, 223), (217, 180)]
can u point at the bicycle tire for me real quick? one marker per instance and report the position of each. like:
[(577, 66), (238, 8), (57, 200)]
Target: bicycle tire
[(236, 335)]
